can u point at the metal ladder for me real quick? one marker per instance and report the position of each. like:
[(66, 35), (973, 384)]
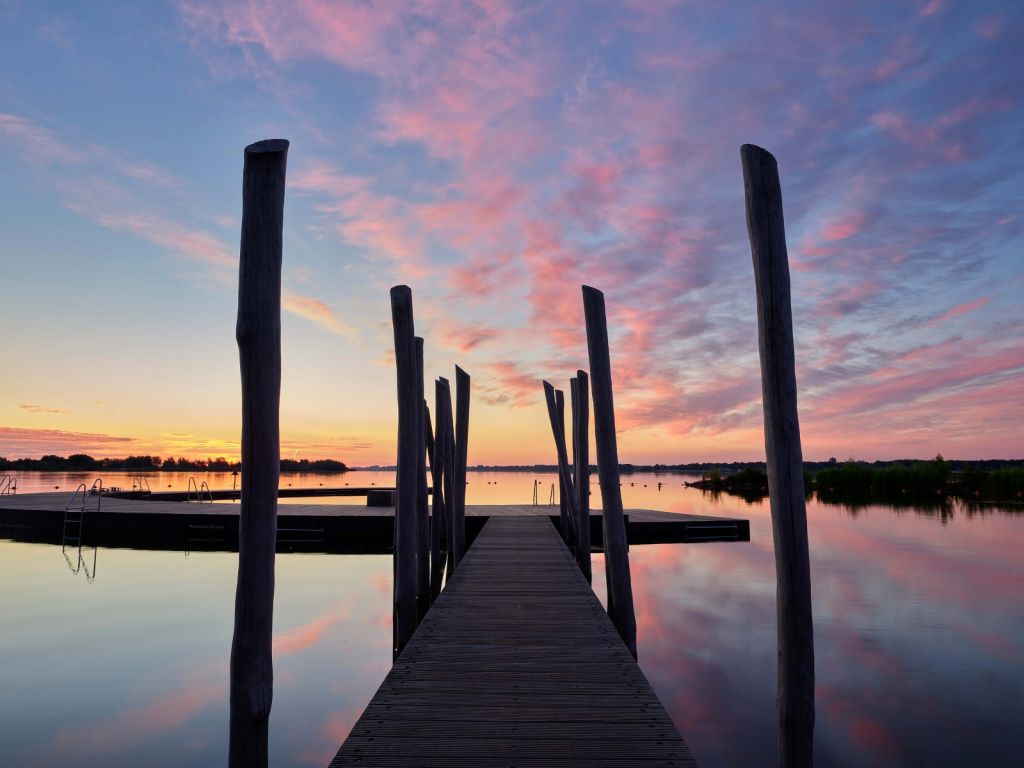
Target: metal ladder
[(140, 485), (8, 485), (199, 491), (74, 521)]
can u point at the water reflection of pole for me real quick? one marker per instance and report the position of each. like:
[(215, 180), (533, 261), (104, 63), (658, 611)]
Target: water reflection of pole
[(766, 228), (258, 332)]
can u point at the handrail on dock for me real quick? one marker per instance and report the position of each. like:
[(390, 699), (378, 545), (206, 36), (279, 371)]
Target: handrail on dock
[(8, 485), (200, 490)]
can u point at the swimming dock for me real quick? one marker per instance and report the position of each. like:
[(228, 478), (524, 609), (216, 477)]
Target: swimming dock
[(515, 664), (337, 528)]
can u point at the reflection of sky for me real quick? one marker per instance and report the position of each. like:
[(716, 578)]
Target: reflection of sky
[(919, 638)]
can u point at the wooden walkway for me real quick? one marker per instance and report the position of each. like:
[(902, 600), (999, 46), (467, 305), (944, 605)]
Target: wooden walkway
[(516, 664)]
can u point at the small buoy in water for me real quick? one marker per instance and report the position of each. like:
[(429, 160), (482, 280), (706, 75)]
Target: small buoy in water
[(56, 486)]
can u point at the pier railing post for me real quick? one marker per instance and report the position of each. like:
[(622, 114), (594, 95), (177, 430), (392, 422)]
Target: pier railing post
[(258, 332), (410, 446), (581, 441), (616, 559), (462, 383), (795, 686), (455, 533)]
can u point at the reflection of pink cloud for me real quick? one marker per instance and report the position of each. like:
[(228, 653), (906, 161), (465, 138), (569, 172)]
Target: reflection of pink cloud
[(135, 727), (307, 635)]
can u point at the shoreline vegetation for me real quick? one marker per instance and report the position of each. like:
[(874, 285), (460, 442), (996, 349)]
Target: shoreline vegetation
[(855, 481), (833, 481)]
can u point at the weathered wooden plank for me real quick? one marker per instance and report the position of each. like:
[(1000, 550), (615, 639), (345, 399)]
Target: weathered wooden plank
[(767, 231), (515, 664), (258, 332)]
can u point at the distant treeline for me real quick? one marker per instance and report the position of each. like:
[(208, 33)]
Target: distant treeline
[(79, 462), (904, 480)]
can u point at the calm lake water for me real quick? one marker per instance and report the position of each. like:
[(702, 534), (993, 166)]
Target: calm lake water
[(919, 631)]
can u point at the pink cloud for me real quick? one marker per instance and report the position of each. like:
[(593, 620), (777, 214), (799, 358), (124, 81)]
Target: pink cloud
[(18, 441), (315, 311)]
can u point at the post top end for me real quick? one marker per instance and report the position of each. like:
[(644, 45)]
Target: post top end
[(267, 145), (754, 152), (588, 290)]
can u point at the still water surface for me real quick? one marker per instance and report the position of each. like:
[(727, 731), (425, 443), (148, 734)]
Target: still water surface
[(919, 625)]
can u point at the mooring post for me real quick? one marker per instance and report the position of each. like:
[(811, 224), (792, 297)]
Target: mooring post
[(410, 445), (566, 496), (438, 518), (581, 439), (258, 332), (422, 506), (462, 383), (456, 536), (616, 558), (795, 686)]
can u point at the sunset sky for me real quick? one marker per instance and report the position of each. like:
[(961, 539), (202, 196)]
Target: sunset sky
[(495, 156)]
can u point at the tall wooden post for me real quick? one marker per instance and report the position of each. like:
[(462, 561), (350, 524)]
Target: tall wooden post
[(461, 457), (581, 440), (616, 558), (258, 332), (567, 497), (455, 533), (795, 687), (422, 505), (439, 517), (410, 446)]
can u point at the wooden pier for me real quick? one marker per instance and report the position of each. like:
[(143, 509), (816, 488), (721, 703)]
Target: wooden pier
[(337, 528), (516, 664)]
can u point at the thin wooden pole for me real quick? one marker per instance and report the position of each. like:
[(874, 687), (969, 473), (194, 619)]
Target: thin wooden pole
[(439, 518), (462, 389), (448, 477), (581, 429), (795, 686), (407, 484), (422, 504), (567, 494), (258, 332), (616, 558)]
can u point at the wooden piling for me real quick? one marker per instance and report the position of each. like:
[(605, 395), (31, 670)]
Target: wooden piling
[(258, 332), (422, 504), (438, 517), (567, 496), (410, 445), (461, 456), (581, 440), (795, 627), (456, 534), (616, 559)]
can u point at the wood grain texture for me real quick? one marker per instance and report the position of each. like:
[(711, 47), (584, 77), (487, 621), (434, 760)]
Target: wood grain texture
[(620, 584), (516, 664), (258, 332), (439, 515), (766, 228), (422, 495), (581, 455), (407, 483), (462, 392)]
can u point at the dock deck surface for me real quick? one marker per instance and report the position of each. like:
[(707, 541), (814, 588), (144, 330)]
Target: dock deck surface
[(339, 527), (516, 664)]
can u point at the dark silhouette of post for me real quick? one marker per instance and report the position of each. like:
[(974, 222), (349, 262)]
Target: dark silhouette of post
[(410, 445), (439, 516), (567, 497), (422, 504), (795, 686), (461, 457), (616, 558), (456, 536), (258, 332), (581, 455)]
